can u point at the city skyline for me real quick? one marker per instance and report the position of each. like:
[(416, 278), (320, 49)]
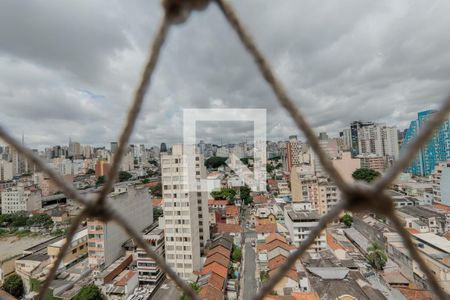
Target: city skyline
[(85, 88)]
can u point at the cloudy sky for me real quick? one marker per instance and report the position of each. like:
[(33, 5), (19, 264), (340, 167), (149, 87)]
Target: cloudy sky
[(69, 68)]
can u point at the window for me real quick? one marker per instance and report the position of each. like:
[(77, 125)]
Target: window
[(74, 251)]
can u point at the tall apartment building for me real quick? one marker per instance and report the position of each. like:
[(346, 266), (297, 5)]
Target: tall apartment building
[(292, 154), (300, 219), (320, 191), (186, 217), (149, 273), (106, 239), (440, 179), (6, 170), (436, 150), (380, 140), (346, 136), (355, 126), (22, 197), (372, 161)]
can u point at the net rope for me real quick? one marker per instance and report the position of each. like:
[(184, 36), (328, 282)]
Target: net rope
[(356, 197)]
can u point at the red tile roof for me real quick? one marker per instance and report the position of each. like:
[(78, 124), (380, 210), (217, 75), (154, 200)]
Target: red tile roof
[(216, 281), (292, 274), (208, 292), (124, 280), (412, 230), (218, 258), (266, 228), (332, 243), (276, 262), (228, 228), (157, 202), (215, 268), (415, 294), (442, 206), (220, 249), (232, 211), (260, 199), (275, 236), (217, 202), (276, 243)]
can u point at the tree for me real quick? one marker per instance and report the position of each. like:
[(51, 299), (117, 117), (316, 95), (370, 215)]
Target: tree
[(347, 220), (236, 254), (245, 195), (195, 287), (157, 212), (269, 168), (124, 176), (89, 292), (40, 220), (14, 285), (376, 256), (263, 276), (145, 181), (364, 174), (100, 180), (19, 219), (224, 194), (156, 190), (90, 172), (215, 162)]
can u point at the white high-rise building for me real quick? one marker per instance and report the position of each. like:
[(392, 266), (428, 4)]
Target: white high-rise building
[(186, 218), (347, 138), (390, 141), (21, 198), (380, 140)]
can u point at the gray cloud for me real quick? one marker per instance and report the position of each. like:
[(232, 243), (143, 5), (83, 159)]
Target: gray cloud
[(70, 68)]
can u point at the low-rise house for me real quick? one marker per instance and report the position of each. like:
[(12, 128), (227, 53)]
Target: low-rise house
[(232, 214)]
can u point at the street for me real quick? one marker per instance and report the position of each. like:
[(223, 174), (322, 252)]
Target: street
[(248, 288)]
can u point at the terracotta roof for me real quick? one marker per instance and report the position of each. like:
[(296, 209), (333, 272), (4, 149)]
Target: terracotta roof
[(442, 206), (232, 211), (305, 296), (276, 243), (447, 235), (124, 280), (210, 293), (220, 249), (260, 199), (332, 242), (292, 274), (152, 184), (157, 202), (266, 228), (415, 294), (271, 182), (218, 258), (215, 268), (412, 230), (276, 262), (217, 202), (275, 236), (228, 228), (216, 281)]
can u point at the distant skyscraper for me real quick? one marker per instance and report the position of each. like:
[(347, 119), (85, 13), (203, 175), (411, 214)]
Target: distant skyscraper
[(436, 150), (114, 146), (163, 147), (354, 128), (323, 136)]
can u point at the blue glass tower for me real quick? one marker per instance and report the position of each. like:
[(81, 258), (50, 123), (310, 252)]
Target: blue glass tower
[(436, 150)]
